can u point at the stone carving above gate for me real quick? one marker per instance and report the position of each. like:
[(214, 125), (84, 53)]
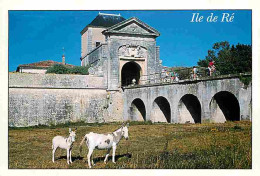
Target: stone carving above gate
[(135, 51)]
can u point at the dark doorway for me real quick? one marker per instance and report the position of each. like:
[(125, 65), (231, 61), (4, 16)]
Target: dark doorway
[(130, 71)]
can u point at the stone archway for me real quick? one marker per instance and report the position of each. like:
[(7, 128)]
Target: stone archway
[(189, 109), (224, 106), (132, 64), (137, 110), (130, 70), (161, 110)]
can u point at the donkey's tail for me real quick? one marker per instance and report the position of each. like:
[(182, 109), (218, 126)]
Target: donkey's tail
[(83, 140)]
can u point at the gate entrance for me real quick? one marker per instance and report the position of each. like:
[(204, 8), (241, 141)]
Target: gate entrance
[(130, 71)]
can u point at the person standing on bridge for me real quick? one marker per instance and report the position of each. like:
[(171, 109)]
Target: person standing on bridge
[(176, 76), (194, 71), (211, 67), (172, 74), (163, 75)]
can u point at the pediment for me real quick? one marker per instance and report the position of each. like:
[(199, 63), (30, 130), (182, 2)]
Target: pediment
[(132, 26)]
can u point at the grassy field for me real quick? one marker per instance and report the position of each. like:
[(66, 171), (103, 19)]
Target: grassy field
[(150, 146)]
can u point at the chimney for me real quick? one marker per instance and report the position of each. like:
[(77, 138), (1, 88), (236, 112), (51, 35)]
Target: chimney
[(63, 59)]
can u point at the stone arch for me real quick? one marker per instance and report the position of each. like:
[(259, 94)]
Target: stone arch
[(130, 70), (224, 106), (189, 109), (161, 110), (137, 110)]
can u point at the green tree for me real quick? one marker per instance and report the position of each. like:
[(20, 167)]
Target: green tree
[(229, 60)]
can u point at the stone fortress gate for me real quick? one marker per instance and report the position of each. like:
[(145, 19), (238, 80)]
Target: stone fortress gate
[(120, 50)]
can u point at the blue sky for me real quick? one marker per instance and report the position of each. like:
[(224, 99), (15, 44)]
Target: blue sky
[(40, 35)]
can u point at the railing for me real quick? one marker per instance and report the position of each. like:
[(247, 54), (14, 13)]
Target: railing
[(165, 77), (162, 78)]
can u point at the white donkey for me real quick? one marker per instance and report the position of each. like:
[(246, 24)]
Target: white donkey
[(64, 143), (104, 142)]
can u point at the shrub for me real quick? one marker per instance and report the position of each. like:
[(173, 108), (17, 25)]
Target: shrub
[(58, 69), (82, 70), (246, 80), (63, 69)]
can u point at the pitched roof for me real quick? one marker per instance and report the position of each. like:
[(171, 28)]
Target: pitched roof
[(43, 64), (104, 20), (116, 28)]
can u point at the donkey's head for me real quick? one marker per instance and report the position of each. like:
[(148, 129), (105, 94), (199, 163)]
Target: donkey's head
[(72, 134), (125, 130)]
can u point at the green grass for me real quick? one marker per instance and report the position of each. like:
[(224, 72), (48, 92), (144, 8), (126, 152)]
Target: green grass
[(150, 146)]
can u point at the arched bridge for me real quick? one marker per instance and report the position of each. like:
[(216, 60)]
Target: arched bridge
[(218, 99)]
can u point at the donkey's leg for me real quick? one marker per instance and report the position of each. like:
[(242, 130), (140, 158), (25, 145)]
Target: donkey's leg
[(92, 161), (53, 152), (90, 151), (108, 151), (68, 156), (114, 153)]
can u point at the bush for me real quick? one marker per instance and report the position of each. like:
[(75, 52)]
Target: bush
[(58, 69), (63, 69), (79, 70), (246, 80)]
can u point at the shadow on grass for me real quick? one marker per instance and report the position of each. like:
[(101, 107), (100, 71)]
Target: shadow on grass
[(128, 155), (74, 158)]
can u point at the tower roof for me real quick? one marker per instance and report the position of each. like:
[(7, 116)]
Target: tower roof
[(104, 20)]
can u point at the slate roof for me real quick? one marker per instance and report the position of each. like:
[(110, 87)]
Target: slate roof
[(104, 20), (43, 64)]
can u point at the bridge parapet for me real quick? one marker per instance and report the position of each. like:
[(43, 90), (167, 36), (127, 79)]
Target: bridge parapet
[(156, 80)]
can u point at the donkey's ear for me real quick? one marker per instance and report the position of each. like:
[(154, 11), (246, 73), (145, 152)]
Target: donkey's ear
[(69, 129), (123, 124), (75, 129), (127, 125)]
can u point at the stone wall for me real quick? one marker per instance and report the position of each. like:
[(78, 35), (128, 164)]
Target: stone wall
[(84, 47), (36, 99), (31, 70), (55, 81), (95, 55)]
